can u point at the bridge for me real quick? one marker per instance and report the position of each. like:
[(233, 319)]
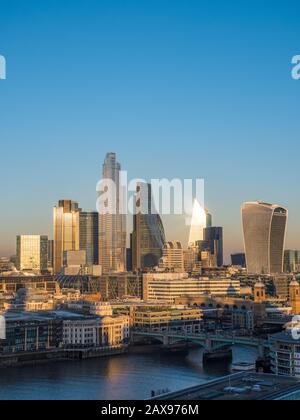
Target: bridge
[(210, 342)]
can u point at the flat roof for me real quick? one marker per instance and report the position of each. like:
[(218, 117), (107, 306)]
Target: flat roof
[(242, 386), (47, 315), (285, 337)]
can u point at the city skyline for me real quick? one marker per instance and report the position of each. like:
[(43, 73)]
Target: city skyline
[(172, 223), (172, 82), (169, 221)]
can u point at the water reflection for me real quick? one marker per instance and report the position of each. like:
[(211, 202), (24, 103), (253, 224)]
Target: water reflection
[(124, 377)]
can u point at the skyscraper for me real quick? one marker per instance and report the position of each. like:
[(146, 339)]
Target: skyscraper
[(214, 237), (89, 236), (208, 219), (148, 237), (66, 230), (239, 260), (32, 253), (50, 254), (264, 227), (112, 222), (198, 224), (291, 261)]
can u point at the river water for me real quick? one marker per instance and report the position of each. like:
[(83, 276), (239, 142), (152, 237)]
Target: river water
[(126, 377)]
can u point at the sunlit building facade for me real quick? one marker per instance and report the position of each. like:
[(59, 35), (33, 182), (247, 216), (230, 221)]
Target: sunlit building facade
[(213, 236), (32, 253), (112, 223), (66, 222), (264, 237), (198, 223), (148, 236), (173, 257)]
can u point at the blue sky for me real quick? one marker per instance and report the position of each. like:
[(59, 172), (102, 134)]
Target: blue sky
[(177, 88)]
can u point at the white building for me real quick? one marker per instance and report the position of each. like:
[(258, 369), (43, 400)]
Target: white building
[(285, 354), (96, 332), (169, 286)]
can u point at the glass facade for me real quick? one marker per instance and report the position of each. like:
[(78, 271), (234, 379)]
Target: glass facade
[(89, 236), (200, 218), (148, 236), (264, 236), (214, 237), (32, 253), (291, 261), (66, 230), (112, 225)]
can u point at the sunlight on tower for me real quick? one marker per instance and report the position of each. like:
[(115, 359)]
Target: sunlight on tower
[(198, 223)]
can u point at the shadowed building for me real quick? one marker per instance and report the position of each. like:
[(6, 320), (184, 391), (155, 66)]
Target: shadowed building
[(89, 236), (148, 237), (291, 261), (264, 237), (214, 237)]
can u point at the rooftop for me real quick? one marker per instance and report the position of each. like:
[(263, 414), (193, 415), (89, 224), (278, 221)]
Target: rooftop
[(42, 316), (239, 387)]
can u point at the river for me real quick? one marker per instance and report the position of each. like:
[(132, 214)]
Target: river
[(130, 376)]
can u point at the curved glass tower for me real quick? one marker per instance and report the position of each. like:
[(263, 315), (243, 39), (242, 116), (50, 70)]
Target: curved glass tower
[(148, 237), (264, 228)]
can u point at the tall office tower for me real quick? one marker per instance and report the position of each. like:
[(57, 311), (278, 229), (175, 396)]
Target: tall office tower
[(173, 257), (198, 223), (214, 236), (208, 219), (238, 260), (66, 230), (89, 236), (191, 258), (112, 220), (291, 261), (50, 254), (148, 237), (32, 253), (264, 236)]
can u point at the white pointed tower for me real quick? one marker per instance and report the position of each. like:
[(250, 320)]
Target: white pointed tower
[(198, 223)]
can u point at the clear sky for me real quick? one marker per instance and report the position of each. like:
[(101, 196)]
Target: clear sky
[(193, 88)]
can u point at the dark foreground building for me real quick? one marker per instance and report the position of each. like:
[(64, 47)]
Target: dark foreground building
[(241, 387)]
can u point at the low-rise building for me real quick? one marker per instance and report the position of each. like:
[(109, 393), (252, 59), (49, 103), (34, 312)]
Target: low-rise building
[(96, 332), (285, 354), (188, 320), (28, 332), (120, 285), (170, 286)]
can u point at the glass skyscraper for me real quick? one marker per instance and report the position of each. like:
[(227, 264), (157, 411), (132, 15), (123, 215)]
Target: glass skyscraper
[(148, 236), (264, 227), (112, 221), (32, 253), (89, 236), (214, 237), (198, 223), (66, 230)]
